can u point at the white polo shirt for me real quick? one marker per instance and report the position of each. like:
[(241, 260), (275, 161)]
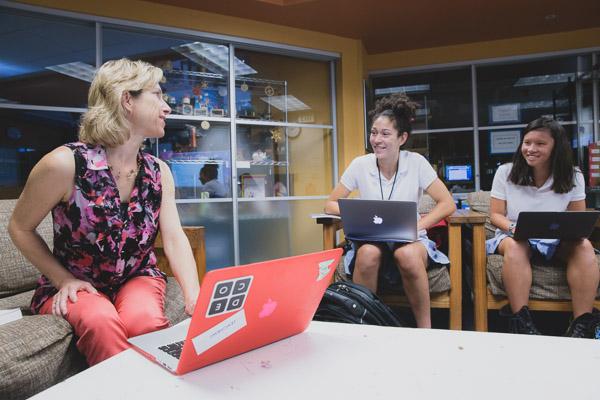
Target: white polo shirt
[(415, 174), (530, 198)]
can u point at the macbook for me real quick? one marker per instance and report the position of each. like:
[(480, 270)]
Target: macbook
[(379, 220), (565, 225), (242, 308)]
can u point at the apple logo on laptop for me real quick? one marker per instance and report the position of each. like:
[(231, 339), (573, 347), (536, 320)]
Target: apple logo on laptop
[(377, 220), (267, 309), (554, 226)]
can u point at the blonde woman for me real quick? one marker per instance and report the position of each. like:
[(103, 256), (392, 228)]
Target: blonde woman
[(108, 201)]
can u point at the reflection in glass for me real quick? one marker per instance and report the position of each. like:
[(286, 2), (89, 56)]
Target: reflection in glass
[(199, 156), (284, 88), (518, 93), (444, 96), (195, 73), (275, 229), (29, 135), (451, 156), (42, 58), (279, 161), (216, 218)]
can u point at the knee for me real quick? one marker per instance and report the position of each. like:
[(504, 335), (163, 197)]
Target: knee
[(142, 320), (515, 252), (410, 261), (585, 251), (97, 323), (368, 258)]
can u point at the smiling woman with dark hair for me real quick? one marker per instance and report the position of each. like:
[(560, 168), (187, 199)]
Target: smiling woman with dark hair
[(541, 178), (391, 173)]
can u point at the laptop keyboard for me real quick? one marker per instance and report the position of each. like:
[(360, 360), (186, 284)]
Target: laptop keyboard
[(173, 349)]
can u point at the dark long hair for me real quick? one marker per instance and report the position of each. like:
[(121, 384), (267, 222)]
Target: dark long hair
[(399, 108), (561, 159)]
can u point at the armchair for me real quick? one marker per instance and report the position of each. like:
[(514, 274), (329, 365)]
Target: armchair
[(445, 284), (549, 290)]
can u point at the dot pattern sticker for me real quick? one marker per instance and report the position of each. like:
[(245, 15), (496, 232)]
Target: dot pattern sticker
[(229, 296)]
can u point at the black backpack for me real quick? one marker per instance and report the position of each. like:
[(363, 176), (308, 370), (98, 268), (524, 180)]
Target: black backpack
[(351, 303)]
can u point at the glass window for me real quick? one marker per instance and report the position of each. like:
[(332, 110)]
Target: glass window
[(45, 60), (451, 155), (199, 155), (518, 93), (277, 161), (195, 73), (282, 88), (26, 137), (444, 96), (275, 229), (217, 220)]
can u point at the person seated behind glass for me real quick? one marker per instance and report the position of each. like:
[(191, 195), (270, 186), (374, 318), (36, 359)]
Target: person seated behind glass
[(210, 184), (542, 177), (109, 199), (391, 173)]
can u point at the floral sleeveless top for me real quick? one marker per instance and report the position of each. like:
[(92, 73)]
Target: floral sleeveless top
[(98, 239)]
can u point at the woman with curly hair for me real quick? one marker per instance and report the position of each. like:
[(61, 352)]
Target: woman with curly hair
[(109, 200), (390, 173)]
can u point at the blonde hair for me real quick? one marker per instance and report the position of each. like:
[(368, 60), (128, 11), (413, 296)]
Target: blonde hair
[(105, 121)]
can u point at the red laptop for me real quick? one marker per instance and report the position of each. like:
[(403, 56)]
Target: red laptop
[(242, 308)]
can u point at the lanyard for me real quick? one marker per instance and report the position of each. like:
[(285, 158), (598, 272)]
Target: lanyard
[(393, 183)]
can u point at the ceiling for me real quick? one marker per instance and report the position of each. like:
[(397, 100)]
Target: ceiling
[(395, 25)]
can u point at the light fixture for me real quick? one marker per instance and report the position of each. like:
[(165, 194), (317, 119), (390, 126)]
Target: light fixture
[(213, 57), (77, 69), (403, 89), (283, 103), (549, 79)]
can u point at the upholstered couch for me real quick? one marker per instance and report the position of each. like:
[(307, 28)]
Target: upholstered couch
[(38, 351), (549, 290)]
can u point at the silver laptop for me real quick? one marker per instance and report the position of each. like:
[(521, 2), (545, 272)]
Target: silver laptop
[(565, 225), (379, 220)]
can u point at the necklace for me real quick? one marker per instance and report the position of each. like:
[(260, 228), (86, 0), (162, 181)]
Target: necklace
[(128, 175), (393, 183)]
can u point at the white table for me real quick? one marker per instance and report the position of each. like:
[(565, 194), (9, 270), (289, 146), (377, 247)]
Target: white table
[(339, 361)]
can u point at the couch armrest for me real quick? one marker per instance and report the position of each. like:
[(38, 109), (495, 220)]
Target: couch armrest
[(330, 226)]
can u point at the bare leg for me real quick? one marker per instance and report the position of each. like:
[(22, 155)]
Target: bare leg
[(516, 272), (366, 266), (411, 260), (582, 274)]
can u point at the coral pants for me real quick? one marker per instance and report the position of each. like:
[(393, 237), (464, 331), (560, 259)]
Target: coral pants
[(102, 327)]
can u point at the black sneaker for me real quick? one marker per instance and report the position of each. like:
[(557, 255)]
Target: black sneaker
[(583, 326), (520, 322)]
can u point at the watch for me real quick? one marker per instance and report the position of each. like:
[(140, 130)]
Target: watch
[(511, 228)]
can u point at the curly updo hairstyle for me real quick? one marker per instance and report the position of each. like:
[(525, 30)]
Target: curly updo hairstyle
[(399, 108)]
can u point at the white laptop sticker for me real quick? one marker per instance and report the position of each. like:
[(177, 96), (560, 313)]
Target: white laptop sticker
[(228, 296), (219, 332), (324, 268)]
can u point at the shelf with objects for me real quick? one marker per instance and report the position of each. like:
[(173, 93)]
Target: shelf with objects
[(199, 156), (262, 162)]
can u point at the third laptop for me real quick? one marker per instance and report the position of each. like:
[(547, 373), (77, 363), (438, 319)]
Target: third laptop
[(379, 220), (565, 225)]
